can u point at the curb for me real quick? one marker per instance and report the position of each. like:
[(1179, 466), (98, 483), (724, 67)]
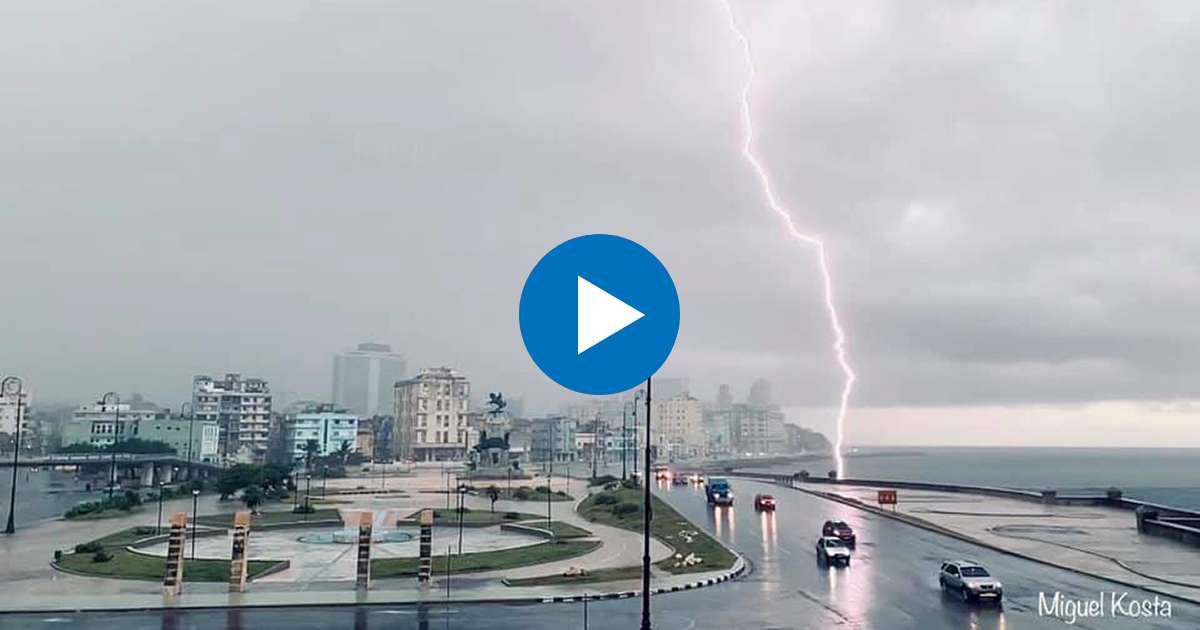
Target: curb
[(739, 568), (926, 525)]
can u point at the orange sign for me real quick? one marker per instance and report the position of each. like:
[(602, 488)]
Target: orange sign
[(887, 497)]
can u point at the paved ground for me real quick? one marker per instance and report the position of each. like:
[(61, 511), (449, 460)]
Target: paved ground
[(891, 584), (1100, 540), (321, 573)]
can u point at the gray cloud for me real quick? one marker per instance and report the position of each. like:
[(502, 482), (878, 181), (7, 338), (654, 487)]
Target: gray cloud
[(1008, 190)]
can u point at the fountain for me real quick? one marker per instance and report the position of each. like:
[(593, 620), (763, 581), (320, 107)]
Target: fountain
[(383, 530)]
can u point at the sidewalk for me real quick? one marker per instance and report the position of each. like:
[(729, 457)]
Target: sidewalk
[(1095, 540), (30, 584)]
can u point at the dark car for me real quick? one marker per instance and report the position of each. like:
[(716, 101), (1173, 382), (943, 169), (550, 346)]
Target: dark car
[(763, 502), (840, 530)]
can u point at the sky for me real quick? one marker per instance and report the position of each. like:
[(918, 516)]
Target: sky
[(1007, 193)]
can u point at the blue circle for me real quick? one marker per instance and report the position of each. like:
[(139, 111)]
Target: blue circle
[(549, 314)]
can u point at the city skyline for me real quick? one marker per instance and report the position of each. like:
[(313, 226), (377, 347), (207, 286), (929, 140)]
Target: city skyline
[(1011, 239)]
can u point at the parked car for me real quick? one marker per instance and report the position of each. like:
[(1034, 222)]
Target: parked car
[(970, 581), (832, 551), (764, 502), (842, 531)]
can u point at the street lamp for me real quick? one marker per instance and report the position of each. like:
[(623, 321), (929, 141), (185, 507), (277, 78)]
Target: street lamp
[(116, 402), (158, 527), (646, 522), (191, 416), (324, 478), (461, 505), (195, 502), (307, 495), (10, 386)]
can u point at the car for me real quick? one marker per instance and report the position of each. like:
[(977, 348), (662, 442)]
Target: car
[(662, 471), (679, 480), (970, 581), (718, 492), (764, 502), (840, 530), (832, 551)]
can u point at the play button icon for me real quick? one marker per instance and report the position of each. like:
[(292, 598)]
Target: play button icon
[(599, 314)]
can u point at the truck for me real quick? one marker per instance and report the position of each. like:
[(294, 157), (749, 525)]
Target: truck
[(718, 492)]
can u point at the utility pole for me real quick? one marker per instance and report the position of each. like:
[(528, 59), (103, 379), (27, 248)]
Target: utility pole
[(646, 522)]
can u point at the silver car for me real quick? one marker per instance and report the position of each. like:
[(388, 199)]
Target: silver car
[(970, 581), (832, 551)]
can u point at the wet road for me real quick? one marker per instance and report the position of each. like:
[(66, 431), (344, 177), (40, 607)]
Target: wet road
[(891, 583)]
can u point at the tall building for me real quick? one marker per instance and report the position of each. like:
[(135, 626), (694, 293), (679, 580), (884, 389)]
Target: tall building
[(756, 430), (677, 428), (331, 428), (760, 393), (431, 416), (364, 378), (242, 410), (8, 412), (724, 397)]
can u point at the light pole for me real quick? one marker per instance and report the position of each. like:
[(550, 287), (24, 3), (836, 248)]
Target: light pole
[(324, 478), (307, 495), (636, 397), (646, 522), (295, 490), (550, 472), (461, 506), (195, 502), (191, 416), (624, 441), (10, 386), (158, 527), (116, 402)]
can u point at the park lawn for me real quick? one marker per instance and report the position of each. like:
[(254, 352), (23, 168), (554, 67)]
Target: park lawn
[(100, 515), (564, 531), (132, 566), (127, 565), (667, 525), (473, 518), (612, 574), (269, 518), (540, 553), (523, 493)]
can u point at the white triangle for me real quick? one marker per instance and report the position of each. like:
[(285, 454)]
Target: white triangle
[(601, 315)]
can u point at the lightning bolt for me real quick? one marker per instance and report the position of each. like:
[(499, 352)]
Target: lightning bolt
[(768, 191)]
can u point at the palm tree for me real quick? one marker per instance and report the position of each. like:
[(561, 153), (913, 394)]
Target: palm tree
[(312, 449), (344, 451), (252, 497)]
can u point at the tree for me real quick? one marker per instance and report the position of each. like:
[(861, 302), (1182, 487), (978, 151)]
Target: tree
[(344, 451), (253, 497), (312, 449)]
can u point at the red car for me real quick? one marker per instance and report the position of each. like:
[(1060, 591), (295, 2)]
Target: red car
[(840, 530), (764, 502)]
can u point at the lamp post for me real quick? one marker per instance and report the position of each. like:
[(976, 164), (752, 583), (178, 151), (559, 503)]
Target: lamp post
[(307, 494), (461, 506), (195, 502), (191, 416), (158, 527), (550, 472), (624, 441), (116, 402), (13, 385), (636, 397), (646, 522), (324, 479), (295, 490)]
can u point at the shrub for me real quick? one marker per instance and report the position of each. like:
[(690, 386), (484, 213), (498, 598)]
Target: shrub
[(630, 484), (512, 516), (606, 499), (101, 556), (303, 509), (602, 480), (521, 494), (625, 508), (89, 547)]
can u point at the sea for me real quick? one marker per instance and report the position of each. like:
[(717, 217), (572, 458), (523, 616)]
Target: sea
[(1169, 476)]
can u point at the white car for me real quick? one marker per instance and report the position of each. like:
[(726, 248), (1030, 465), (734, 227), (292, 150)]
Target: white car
[(970, 581), (832, 551)]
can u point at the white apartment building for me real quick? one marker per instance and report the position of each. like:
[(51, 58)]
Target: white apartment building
[(330, 427), (8, 413), (242, 410), (432, 416), (677, 430), (364, 379)]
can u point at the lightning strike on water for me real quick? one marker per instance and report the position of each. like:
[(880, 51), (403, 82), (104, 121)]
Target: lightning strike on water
[(839, 335)]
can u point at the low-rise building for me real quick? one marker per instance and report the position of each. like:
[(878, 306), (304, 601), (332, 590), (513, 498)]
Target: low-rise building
[(333, 430), (553, 439), (101, 424)]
